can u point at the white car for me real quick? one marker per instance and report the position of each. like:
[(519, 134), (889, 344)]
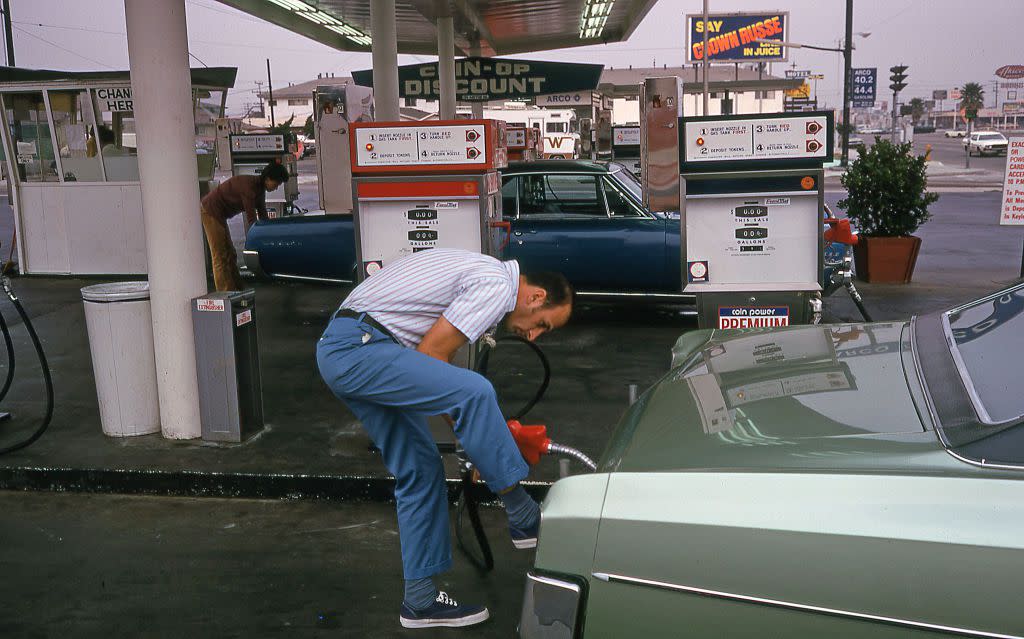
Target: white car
[(982, 142), (959, 133)]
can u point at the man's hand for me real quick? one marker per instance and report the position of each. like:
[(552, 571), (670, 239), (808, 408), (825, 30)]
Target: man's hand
[(442, 340)]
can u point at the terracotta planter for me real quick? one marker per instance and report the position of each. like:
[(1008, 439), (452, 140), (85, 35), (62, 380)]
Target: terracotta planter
[(886, 260)]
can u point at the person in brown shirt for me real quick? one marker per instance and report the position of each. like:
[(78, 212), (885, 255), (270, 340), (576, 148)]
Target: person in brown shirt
[(240, 193)]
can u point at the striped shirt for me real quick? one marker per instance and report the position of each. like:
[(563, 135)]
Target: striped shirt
[(471, 290)]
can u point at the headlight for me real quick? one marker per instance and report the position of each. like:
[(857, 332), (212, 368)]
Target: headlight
[(551, 608)]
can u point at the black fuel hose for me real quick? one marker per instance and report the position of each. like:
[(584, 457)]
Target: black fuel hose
[(468, 500), (43, 365), (10, 357)]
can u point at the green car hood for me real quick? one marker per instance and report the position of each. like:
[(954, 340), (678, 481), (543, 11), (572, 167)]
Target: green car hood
[(812, 397)]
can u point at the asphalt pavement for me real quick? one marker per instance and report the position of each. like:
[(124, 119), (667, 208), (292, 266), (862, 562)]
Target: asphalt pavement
[(113, 567)]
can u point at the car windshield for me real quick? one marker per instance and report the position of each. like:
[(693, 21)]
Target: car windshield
[(986, 343), (626, 179), (991, 136)]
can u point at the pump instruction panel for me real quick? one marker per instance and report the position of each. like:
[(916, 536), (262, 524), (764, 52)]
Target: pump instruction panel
[(777, 137), (254, 143), (746, 242), (421, 146)]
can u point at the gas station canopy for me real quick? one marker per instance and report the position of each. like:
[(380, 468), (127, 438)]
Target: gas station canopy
[(501, 27)]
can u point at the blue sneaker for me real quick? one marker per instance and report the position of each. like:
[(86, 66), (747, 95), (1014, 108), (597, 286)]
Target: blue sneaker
[(446, 612), (524, 538)]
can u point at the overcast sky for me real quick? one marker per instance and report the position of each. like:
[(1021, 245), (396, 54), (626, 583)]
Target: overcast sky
[(945, 42)]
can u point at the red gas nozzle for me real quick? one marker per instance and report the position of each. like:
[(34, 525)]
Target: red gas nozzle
[(533, 441), (839, 231)]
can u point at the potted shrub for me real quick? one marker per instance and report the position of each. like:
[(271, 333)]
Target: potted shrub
[(887, 199)]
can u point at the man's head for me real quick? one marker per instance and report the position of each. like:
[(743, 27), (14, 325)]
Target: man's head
[(274, 175), (543, 303)]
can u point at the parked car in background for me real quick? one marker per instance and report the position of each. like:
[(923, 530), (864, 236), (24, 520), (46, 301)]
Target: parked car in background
[(308, 145), (955, 133), (581, 218), (857, 480), (584, 219), (985, 142)]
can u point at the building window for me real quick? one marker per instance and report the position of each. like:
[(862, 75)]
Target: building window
[(632, 98), (272, 103), (298, 102), (765, 95), (1011, 95), (713, 96), (410, 102)]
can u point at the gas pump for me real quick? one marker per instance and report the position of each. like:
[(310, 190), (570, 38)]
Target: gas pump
[(336, 108), (525, 144), (422, 186), (752, 196), (251, 152), (626, 147)]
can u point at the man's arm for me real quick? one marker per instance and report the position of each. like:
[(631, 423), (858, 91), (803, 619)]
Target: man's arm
[(442, 340), (249, 203)]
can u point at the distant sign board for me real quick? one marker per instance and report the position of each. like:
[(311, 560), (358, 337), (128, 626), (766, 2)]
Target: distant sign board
[(802, 91), (115, 99), (1013, 108), (954, 94), (571, 99), (626, 136), (865, 82), (779, 137), (940, 94), (732, 36), (1013, 184), (797, 74), (1011, 71), (483, 79)]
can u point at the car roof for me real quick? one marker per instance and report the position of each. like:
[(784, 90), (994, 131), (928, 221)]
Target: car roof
[(556, 166)]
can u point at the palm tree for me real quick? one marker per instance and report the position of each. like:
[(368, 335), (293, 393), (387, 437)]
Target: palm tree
[(916, 110), (972, 98)]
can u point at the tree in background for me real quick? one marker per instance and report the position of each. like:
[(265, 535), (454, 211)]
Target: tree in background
[(284, 127), (307, 128), (916, 110), (972, 98)]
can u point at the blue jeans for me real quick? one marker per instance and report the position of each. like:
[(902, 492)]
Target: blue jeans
[(392, 390)]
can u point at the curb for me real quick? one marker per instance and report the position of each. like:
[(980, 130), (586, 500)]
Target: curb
[(339, 488)]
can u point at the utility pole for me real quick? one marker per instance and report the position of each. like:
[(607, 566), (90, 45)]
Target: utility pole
[(704, 58), (8, 32), (847, 62), (270, 88)]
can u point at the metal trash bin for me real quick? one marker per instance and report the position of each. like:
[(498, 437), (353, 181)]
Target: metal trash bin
[(120, 326)]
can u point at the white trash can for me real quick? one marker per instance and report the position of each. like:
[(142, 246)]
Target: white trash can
[(120, 326)]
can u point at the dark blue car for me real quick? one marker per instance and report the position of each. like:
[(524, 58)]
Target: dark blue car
[(584, 219)]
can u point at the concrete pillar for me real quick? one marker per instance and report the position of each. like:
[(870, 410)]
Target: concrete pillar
[(384, 32), (446, 67), (165, 133), (478, 107)]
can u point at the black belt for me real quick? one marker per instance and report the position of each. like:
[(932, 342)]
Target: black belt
[(365, 318)]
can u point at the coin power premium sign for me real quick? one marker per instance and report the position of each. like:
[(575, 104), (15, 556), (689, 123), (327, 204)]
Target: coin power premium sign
[(864, 82), (732, 37), (483, 79), (1013, 187)]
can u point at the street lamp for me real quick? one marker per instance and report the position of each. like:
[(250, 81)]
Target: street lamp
[(846, 50)]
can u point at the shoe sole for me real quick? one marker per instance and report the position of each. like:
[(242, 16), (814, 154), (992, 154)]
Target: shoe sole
[(525, 544), (479, 617)]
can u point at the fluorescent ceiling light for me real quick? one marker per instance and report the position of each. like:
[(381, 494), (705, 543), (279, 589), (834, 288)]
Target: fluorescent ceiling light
[(593, 18), (323, 19)]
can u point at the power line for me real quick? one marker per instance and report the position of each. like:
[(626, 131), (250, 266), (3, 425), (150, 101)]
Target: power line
[(54, 44), (192, 55)]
